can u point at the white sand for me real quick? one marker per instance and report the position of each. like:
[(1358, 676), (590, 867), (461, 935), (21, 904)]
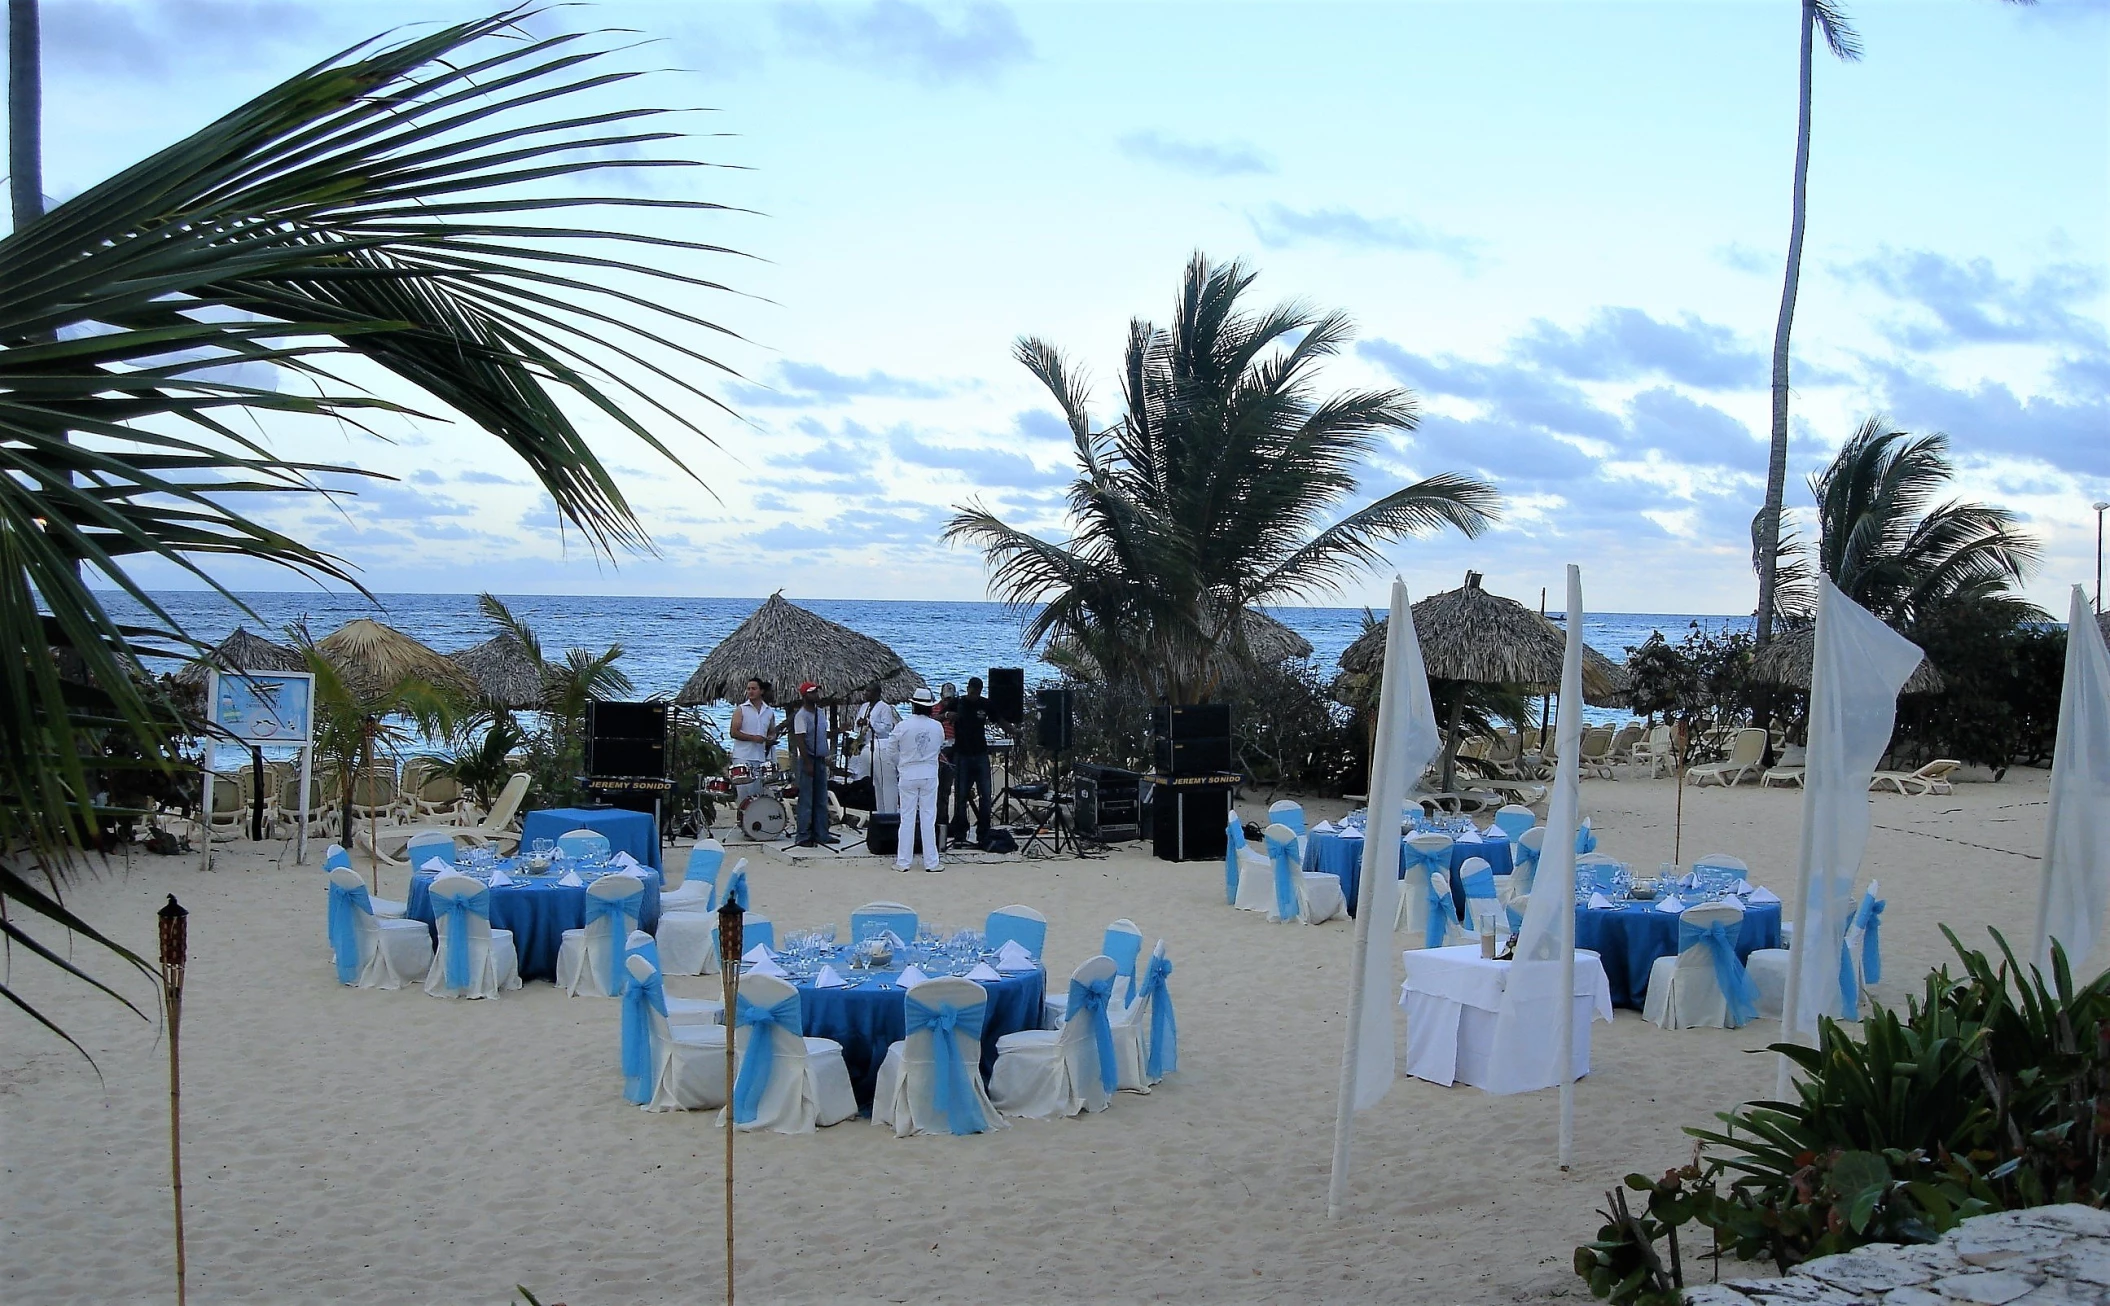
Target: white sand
[(358, 1146)]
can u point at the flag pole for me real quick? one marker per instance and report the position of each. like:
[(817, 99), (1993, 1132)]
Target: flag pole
[(1570, 746)]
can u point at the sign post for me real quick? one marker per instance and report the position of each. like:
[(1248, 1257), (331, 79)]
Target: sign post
[(258, 709)]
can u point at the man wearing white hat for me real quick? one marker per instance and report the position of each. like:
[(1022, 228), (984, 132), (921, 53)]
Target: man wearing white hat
[(916, 742)]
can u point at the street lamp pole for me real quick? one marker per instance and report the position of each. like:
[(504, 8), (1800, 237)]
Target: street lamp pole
[(2100, 507)]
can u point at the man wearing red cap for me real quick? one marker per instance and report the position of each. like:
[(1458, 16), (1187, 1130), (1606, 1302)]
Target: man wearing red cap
[(811, 745)]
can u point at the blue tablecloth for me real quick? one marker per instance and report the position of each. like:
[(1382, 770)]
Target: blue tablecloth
[(537, 910), (867, 1020), (1339, 855), (1631, 936), (635, 833)]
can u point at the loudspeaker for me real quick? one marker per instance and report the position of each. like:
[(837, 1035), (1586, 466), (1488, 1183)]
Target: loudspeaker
[(626, 739), (1055, 725), (1190, 824), (1191, 756), (1192, 721), (1007, 695), (1107, 802), (883, 834)]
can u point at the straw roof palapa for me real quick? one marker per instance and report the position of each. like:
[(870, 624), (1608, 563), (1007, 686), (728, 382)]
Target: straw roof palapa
[(784, 644), (241, 651), (504, 672), (1469, 634), (1790, 656), (373, 658)]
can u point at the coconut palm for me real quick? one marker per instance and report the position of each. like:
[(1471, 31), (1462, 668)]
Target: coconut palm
[(397, 204), (1207, 496), (357, 722)]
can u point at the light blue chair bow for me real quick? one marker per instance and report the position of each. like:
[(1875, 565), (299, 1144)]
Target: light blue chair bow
[(1164, 1055), (1419, 865), (1280, 851), (452, 915), (347, 903), (1089, 1001), (580, 845), (621, 914), (1870, 919), (760, 1060), (1234, 843), (1736, 982), (643, 945), (1524, 867), (1003, 927), (1585, 839), (951, 1093), (1124, 946), (641, 997)]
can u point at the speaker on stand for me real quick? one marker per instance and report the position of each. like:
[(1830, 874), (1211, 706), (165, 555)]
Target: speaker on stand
[(1054, 725)]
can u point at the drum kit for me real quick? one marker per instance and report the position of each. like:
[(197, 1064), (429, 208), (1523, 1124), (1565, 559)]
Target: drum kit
[(764, 815)]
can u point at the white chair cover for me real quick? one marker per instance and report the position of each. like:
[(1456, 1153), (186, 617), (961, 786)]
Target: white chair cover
[(906, 1096), (380, 953), (1285, 811), (423, 848), (1513, 819), (696, 885), (1314, 896), (1016, 923), (688, 1061), (1425, 855), (1145, 1027), (1256, 880), (492, 965), (1686, 991), (884, 915), (588, 961), (680, 1011), (583, 843), (1040, 1073), (798, 1082)]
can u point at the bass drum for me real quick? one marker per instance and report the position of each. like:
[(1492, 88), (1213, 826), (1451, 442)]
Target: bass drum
[(763, 817)]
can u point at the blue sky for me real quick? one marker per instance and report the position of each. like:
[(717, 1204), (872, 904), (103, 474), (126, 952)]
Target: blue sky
[(1561, 225)]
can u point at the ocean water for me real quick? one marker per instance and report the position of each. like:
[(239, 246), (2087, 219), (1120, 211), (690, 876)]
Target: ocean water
[(663, 639)]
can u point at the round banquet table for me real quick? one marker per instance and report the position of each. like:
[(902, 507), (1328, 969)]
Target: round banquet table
[(868, 1019), (1341, 855), (636, 833), (1631, 936), (537, 910)]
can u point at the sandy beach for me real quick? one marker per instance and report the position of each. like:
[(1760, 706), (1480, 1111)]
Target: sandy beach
[(361, 1146)]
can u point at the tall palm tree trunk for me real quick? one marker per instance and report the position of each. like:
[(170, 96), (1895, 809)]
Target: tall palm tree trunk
[(1777, 458), (25, 113)]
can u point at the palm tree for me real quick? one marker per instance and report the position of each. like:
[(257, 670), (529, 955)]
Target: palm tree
[(353, 727), (1845, 44), (400, 204), (25, 113), (1206, 498), (1888, 546)]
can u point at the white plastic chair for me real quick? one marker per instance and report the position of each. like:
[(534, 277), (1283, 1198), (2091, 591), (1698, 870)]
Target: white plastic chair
[(808, 1083), (1017, 923), (583, 844), (694, 887), (1747, 753), (1142, 1027), (1041, 1072), (688, 1061), (492, 965), (1684, 991), (1513, 819), (381, 954), (492, 830), (588, 961), (893, 916), (905, 1096)]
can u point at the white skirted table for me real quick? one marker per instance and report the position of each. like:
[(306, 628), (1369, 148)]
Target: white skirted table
[(1452, 997)]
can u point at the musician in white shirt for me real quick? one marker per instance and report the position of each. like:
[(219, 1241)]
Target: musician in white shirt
[(754, 728), (875, 720), (917, 741)]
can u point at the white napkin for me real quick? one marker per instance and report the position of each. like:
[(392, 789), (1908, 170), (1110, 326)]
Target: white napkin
[(828, 979), (1600, 901), (571, 880), (436, 866), (1763, 894), (766, 967), (982, 972), (622, 861), (499, 878), (1470, 836), (1323, 827), (1671, 904), (911, 977), (759, 953), (1013, 957), (1741, 886), (633, 870)]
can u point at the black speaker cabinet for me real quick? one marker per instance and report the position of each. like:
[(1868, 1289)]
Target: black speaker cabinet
[(1007, 695), (1191, 756), (1188, 823), (1055, 719), (626, 739), (883, 834), (1108, 806), (1192, 721)]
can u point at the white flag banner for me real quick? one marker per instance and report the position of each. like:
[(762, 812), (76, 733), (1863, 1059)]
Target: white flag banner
[(2077, 832), (1861, 664), (1530, 1051)]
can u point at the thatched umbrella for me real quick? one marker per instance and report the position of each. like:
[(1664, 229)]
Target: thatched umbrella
[(504, 673), (783, 644), (1789, 657), (1471, 635), (243, 651), (372, 658)]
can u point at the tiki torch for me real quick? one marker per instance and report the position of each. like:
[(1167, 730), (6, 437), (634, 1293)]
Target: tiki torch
[(175, 932), (730, 950)]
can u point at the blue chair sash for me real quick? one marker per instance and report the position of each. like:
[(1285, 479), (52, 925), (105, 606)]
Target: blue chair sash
[(761, 1059), (704, 865), (452, 915), (736, 891), (1870, 919), (952, 1094), (1480, 884), (1234, 843), (1422, 865), (1737, 984), (622, 918), (1524, 867), (1849, 984), (1124, 948), (1164, 1026), (1512, 825), (336, 857), (1026, 932), (1585, 840), (1089, 1001), (641, 997), (347, 901), (1285, 885), (1292, 816)]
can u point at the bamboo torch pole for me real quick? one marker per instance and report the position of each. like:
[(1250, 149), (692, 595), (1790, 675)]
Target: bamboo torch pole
[(730, 949), (174, 950)]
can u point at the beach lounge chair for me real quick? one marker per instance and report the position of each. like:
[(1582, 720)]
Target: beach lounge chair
[(472, 959), (1747, 753), (1044, 1072), (1144, 1025), (1933, 778), (1657, 752), (590, 958), (792, 1084), (373, 952), (492, 831), (1704, 985), (1623, 742), (1596, 754), (684, 1064), (906, 1097), (428, 795)]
